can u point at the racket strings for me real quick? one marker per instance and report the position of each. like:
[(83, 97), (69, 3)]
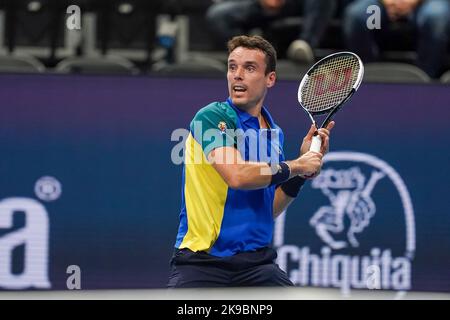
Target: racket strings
[(330, 83)]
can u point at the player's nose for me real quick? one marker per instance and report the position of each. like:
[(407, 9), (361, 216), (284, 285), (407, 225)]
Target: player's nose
[(239, 73)]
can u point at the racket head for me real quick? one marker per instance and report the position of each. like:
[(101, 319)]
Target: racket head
[(330, 82)]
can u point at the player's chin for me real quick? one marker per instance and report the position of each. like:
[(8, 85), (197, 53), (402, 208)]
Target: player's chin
[(239, 99)]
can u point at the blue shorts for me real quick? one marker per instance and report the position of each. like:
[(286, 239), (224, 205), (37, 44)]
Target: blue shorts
[(247, 269)]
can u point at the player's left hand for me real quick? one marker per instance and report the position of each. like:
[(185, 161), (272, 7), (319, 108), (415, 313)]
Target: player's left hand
[(324, 134)]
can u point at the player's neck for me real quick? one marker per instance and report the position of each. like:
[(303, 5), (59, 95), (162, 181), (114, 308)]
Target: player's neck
[(255, 110)]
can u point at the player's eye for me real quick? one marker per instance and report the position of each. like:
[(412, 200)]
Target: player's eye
[(250, 68), (232, 67)]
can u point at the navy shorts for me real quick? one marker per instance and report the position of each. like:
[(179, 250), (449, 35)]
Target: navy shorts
[(247, 269)]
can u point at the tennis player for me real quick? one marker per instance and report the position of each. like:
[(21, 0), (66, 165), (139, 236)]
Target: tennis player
[(231, 197)]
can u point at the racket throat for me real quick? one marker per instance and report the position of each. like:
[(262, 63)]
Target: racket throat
[(312, 119)]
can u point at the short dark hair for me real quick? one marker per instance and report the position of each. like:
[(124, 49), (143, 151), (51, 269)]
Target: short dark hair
[(257, 43)]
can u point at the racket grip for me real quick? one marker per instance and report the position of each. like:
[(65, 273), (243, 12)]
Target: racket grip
[(316, 143)]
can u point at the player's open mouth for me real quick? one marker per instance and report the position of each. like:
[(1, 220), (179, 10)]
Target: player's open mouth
[(239, 88)]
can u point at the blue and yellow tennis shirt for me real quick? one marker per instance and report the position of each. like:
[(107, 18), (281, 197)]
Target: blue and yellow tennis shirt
[(215, 218)]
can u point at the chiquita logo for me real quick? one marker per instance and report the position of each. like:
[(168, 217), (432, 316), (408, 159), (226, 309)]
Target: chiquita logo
[(359, 235)]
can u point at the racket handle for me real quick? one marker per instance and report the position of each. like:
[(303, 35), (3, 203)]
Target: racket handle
[(316, 143)]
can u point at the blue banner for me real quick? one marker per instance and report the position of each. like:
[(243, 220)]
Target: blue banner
[(88, 187)]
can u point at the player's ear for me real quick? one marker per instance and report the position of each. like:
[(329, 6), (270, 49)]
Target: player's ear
[(271, 78)]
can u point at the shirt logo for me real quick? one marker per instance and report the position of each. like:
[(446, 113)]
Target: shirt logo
[(222, 126)]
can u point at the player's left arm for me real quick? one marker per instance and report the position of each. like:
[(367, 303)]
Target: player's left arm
[(287, 192), (281, 202)]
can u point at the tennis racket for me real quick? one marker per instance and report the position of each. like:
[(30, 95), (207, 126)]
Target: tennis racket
[(327, 86)]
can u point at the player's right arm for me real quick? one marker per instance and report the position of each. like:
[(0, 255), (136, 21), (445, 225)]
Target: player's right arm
[(247, 175)]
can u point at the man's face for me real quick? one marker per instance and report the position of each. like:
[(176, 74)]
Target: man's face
[(247, 81)]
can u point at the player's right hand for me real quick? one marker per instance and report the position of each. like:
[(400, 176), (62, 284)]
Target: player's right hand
[(309, 164)]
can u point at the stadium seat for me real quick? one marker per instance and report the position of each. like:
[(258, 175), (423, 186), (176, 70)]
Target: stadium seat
[(94, 65), (38, 28), (33, 28), (3, 47), (394, 72), (123, 28), (200, 38), (288, 70), (20, 64), (445, 78)]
